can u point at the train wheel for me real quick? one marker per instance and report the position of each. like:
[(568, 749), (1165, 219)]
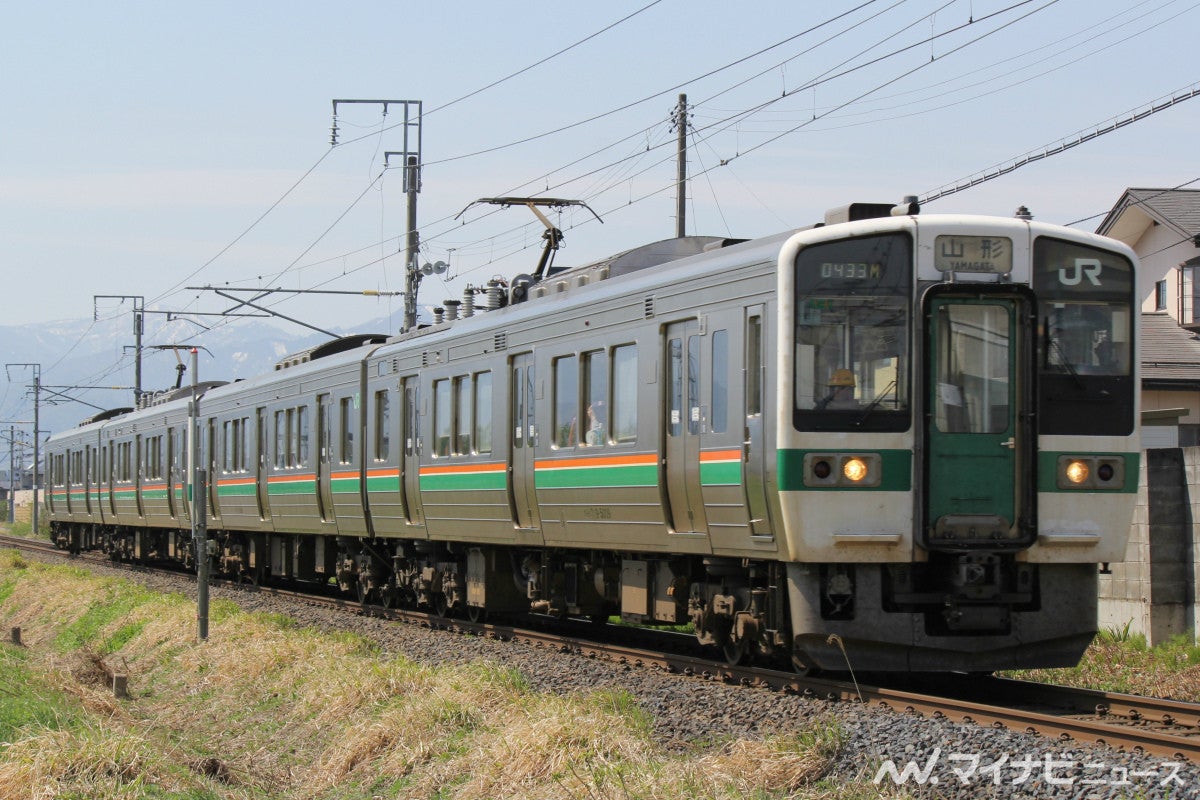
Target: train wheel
[(735, 651), (441, 605), (476, 614), (363, 592)]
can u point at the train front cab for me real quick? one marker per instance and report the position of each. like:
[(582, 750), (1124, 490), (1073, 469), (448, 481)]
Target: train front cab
[(953, 513)]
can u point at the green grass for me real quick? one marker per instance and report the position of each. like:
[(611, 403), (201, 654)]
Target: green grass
[(120, 598), (25, 701)]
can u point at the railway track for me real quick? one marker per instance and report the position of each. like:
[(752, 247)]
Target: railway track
[(1160, 727)]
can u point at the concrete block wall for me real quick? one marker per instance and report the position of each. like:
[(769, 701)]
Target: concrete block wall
[(1154, 591)]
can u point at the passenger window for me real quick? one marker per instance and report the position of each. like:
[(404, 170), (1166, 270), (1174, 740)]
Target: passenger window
[(624, 394), (754, 366), (441, 418), (483, 412), (302, 436), (720, 381), (595, 395), (346, 430), (382, 425), (462, 415), (566, 402)]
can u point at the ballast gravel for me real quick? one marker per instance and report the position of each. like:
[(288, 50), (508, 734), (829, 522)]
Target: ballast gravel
[(895, 753)]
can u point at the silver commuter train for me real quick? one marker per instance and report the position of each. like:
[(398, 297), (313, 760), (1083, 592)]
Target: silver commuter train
[(918, 433)]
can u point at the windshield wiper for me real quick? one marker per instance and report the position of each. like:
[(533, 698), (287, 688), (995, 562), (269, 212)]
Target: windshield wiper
[(874, 404)]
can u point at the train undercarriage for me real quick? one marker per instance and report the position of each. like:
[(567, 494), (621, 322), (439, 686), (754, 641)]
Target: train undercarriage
[(968, 612)]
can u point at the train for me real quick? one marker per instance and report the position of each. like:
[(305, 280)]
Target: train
[(889, 441)]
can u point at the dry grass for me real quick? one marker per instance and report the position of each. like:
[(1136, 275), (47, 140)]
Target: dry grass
[(1118, 662), (268, 710)]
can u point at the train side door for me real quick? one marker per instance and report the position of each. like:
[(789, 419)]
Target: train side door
[(978, 437), (324, 458), (139, 476), (682, 427), (171, 475), (754, 447), (522, 445), (410, 479), (260, 461)]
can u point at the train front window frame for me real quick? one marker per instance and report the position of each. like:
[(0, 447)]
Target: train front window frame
[(1086, 324), (853, 355)]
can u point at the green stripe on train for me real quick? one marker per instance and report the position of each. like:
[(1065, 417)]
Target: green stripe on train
[(383, 483), (721, 473), (632, 476), (464, 481), (293, 487)]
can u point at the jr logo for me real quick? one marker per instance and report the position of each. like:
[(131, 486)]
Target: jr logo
[(1084, 267)]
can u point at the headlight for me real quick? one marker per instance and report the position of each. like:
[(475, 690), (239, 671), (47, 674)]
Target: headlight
[(1077, 472), (854, 469), (1091, 472), (842, 470)]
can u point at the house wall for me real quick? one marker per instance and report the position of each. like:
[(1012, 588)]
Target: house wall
[(1153, 400), (1156, 266)]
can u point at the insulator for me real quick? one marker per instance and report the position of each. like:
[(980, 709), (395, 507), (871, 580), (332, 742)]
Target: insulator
[(452, 309), (494, 292), (438, 315), (468, 301)]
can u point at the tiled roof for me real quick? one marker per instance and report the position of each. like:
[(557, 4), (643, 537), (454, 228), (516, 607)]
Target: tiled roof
[(1176, 208), (1169, 353)]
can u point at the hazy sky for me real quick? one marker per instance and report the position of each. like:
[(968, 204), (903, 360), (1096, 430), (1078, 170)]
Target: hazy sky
[(142, 140)]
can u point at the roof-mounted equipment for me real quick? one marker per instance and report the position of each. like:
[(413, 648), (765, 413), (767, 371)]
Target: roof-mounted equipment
[(553, 235)]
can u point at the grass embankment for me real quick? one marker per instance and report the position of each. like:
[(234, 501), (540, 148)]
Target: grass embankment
[(1118, 661), (266, 709)]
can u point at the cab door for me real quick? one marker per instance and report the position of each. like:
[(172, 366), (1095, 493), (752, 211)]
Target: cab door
[(979, 432)]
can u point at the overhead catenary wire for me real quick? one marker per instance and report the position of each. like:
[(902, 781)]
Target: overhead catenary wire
[(598, 183)]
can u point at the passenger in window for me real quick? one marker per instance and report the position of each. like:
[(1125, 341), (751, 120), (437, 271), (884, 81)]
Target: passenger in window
[(595, 435)]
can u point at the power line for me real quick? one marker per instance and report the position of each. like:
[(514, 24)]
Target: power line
[(1061, 146)]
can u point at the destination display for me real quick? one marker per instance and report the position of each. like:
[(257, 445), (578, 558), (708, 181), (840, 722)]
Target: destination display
[(987, 254), (852, 270)]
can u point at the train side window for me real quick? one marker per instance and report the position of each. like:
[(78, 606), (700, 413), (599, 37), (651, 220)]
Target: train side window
[(291, 438), (675, 387), (719, 420), (280, 440), (302, 436), (226, 445), (693, 385), (624, 394), (345, 431), (518, 407), (243, 450), (754, 366), (566, 402), (383, 425), (483, 412), (441, 418), (595, 396), (462, 415)]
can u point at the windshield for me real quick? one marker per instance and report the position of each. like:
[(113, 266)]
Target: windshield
[(1085, 319), (851, 339)]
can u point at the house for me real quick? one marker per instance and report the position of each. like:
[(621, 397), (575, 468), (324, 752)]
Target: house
[(1163, 228), (1154, 590)]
